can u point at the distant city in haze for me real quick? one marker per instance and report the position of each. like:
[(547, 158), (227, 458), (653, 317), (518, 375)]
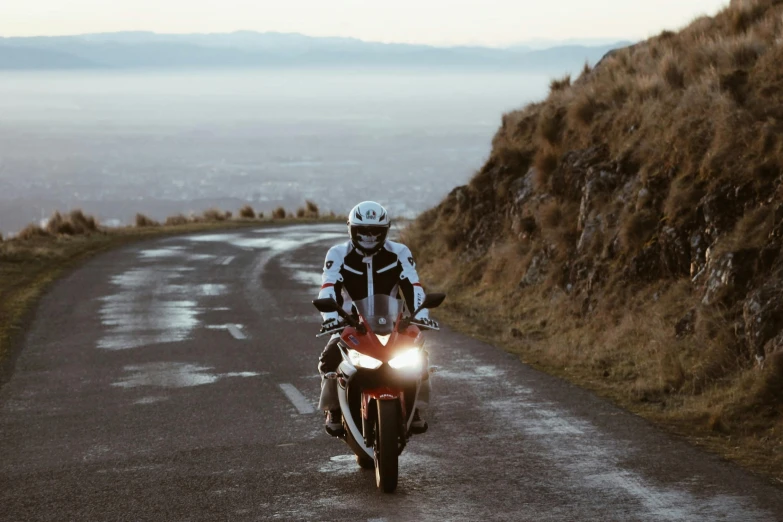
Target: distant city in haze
[(161, 124)]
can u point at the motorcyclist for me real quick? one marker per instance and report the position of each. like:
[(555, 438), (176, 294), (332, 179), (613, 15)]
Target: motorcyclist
[(366, 265)]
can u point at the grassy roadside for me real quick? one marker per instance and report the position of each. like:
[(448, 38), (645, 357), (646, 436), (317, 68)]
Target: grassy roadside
[(542, 346), (28, 267)]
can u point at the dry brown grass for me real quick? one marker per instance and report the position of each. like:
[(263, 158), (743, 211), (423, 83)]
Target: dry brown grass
[(247, 212), (31, 232), (583, 109), (143, 221), (546, 162), (309, 211), (672, 72), (178, 220), (560, 84), (214, 215), (637, 229)]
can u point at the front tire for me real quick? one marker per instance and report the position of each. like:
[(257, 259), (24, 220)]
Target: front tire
[(386, 446)]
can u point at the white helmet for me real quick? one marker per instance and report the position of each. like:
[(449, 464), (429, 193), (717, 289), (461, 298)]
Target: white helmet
[(369, 225)]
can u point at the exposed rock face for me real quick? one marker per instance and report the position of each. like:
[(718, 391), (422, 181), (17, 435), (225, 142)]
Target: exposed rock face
[(763, 314), (728, 275), (536, 271), (675, 252)]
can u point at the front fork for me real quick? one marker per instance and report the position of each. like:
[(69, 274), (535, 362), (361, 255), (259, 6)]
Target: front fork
[(370, 399)]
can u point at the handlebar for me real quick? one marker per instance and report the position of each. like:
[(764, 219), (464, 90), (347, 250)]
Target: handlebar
[(404, 324), (332, 331)]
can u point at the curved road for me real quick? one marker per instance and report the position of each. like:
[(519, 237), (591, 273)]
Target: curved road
[(176, 380)]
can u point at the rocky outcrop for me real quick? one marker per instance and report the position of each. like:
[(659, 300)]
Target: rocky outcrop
[(763, 317)]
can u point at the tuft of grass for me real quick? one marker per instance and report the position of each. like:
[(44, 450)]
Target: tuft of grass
[(551, 125), (551, 214), (143, 221), (247, 212), (311, 209), (82, 223), (178, 220), (583, 109), (637, 229), (214, 215), (31, 232), (672, 72), (545, 164), (559, 84)]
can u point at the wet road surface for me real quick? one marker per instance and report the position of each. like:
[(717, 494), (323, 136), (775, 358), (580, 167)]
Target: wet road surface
[(176, 380)]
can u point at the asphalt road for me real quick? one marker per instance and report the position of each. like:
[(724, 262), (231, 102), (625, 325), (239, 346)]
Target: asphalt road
[(176, 380)]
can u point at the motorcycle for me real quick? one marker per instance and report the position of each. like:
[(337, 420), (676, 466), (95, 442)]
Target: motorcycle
[(379, 379)]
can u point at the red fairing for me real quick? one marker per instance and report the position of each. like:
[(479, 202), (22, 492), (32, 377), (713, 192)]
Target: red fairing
[(382, 394)]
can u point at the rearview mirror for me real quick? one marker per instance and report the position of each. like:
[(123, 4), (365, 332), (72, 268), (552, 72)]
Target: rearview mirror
[(326, 305), (431, 301)]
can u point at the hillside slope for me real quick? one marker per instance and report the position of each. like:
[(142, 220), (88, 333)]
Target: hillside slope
[(626, 232)]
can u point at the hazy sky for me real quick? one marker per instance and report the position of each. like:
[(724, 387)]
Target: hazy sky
[(489, 22)]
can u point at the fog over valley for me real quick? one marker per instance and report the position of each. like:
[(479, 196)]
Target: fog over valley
[(119, 142), (120, 123)]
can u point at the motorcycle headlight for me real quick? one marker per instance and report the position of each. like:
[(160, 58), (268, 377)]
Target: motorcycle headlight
[(363, 361), (410, 359)]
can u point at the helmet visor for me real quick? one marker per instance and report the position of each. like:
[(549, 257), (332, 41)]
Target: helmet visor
[(369, 237)]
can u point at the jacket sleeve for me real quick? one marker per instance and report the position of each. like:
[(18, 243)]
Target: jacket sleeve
[(331, 279), (409, 283)]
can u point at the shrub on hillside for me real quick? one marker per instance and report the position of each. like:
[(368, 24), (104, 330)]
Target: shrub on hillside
[(74, 223), (311, 209), (178, 220), (560, 84), (143, 221), (545, 164), (32, 231), (279, 213), (247, 212), (82, 223), (214, 214)]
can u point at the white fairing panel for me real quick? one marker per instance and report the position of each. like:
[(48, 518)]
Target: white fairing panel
[(342, 393)]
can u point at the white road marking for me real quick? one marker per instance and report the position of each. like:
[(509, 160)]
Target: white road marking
[(236, 332), (228, 260), (297, 399)]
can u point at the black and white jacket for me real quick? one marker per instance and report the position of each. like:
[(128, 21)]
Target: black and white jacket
[(350, 276)]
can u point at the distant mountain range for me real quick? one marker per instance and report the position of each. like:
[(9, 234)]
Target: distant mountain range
[(252, 49)]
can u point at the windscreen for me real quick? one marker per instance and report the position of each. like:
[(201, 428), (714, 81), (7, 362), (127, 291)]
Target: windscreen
[(379, 312)]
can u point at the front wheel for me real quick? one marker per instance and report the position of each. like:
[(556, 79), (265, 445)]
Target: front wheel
[(386, 446)]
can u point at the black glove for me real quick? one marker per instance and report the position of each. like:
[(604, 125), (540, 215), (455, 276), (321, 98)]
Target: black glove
[(331, 325), (427, 323)]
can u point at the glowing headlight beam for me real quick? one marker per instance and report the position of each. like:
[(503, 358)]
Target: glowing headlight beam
[(363, 361), (409, 359)]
